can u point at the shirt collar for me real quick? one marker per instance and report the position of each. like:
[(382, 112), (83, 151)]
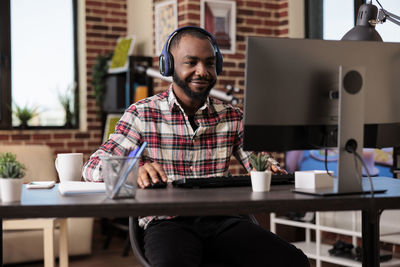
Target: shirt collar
[(174, 103)]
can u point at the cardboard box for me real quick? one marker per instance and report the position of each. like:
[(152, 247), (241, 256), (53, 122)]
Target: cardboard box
[(313, 179)]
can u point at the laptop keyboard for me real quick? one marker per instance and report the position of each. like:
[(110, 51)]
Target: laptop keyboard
[(230, 181)]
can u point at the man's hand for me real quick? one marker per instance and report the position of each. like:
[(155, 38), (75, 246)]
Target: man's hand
[(275, 169), (152, 171)]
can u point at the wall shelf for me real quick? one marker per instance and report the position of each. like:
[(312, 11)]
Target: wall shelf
[(319, 251)]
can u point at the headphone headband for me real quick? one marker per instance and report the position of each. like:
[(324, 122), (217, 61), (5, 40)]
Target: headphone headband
[(166, 60)]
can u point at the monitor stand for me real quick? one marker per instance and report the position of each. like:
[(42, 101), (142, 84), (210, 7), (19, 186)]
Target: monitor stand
[(350, 136), (329, 191)]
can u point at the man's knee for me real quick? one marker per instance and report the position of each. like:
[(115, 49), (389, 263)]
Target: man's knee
[(299, 259)]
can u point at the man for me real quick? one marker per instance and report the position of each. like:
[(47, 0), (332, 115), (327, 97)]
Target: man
[(192, 135)]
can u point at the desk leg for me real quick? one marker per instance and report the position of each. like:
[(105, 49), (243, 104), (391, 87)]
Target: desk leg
[(370, 238)]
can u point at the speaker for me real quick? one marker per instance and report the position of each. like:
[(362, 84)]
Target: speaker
[(166, 60)]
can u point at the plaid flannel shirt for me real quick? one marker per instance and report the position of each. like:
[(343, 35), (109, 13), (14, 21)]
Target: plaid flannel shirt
[(161, 122)]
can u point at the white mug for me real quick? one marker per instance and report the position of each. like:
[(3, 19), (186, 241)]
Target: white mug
[(69, 166)]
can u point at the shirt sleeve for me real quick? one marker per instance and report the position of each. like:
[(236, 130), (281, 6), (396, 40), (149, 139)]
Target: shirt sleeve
[(241, 155), (127, 136)]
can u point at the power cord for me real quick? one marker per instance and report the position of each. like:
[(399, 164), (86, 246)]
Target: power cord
[(351, 147)]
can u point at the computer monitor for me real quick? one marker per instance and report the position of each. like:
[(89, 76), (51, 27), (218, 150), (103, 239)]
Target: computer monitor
[(290, 97)]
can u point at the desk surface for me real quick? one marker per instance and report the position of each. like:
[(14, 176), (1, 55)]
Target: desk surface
[(176, 201)]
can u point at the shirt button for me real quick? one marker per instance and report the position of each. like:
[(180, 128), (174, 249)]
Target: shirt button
[(191, 168)]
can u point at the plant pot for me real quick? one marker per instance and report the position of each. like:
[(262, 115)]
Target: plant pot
[(260, 181), (11, 189)]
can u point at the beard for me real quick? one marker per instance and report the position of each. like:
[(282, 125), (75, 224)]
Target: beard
[(184, 84)]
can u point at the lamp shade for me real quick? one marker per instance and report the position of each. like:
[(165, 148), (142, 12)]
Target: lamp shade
[(364, 29)]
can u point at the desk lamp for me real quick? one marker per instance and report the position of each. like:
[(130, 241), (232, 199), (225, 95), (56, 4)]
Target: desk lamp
[(368, 17)]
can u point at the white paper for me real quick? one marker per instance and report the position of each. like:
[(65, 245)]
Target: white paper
[(73, 187)]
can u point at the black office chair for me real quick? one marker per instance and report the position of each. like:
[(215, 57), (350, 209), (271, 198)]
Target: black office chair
[(136, 236)]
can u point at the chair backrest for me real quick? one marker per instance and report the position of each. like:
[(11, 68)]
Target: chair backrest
[(38, 160), (136, 234)]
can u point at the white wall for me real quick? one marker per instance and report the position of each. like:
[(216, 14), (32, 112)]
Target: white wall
[(140, 24), (296, 19)]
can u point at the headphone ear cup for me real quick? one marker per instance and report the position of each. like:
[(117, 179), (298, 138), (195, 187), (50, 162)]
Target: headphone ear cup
[(170, 65), (219, 62), (161, 63)]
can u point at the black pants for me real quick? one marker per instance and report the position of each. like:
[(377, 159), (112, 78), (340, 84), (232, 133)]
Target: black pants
[(217, 241)]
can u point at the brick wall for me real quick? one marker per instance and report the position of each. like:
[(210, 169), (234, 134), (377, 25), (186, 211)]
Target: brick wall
[(253, 18), (105, 21)]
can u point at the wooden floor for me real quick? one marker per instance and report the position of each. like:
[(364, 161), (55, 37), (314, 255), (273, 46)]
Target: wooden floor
[(100, 257)]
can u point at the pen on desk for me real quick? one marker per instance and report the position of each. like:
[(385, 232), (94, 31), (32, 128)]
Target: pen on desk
[(135, 153)]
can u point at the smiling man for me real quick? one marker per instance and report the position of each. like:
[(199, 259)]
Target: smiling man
[(192, 135)]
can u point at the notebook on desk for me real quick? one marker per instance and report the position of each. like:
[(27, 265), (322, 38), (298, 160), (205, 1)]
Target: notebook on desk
[(73, 188), (230, 181)]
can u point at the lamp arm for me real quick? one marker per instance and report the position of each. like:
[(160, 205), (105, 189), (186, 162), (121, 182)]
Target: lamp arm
[(386, 15)]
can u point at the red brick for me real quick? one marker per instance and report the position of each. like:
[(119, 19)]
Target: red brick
[(236, 73), (271, 22), (254, 4), (62, 136), (284, 5), (119, 29), (264, 31), (245, 29), (4, 137), (114, 5), (193, 16), (56, 144), (91, 18), (227, 64), (82, 135), (20, 137), (115, 13), (262, 14), (99, 11), (271, 6), (235, 56), (94, 3), (113, 20), (245, 12), (75, 144), (281, 14), (41, 136), (100, 27)]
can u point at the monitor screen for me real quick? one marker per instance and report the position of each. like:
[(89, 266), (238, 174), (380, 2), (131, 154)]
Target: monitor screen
[(290, 86), (378, 161)]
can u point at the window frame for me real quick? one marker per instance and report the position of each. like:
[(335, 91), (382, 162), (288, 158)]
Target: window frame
[(5, 68), (314, 17)]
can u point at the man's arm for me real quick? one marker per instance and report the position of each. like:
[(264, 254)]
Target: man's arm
[(126, 136)]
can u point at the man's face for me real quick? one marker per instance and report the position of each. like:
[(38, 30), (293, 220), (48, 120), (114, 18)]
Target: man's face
[(194, 67)]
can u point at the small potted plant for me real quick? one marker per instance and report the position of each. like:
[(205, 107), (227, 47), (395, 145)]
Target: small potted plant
[(11, 174), (260, 176), (24, 114)]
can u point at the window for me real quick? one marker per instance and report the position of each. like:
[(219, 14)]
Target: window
[(331, 19), (43, 71)]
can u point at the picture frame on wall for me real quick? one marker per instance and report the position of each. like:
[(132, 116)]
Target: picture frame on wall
[(166, 21), (111, 122), (124, 48), (219, 18)]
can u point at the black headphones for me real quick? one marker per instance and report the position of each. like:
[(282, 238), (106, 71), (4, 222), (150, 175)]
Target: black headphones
[(166, 60)]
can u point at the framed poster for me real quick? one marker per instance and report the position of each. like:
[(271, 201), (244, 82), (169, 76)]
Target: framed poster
[(111, 122), (166, 21), (124, 48), (219, 18)]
